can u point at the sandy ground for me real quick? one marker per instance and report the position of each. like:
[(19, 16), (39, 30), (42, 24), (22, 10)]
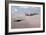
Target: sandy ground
[(28, 22)]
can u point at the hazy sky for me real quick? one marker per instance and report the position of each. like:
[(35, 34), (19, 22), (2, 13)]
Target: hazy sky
[(24, 9)]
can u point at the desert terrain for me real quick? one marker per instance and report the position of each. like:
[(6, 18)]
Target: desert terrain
[(28, 22)]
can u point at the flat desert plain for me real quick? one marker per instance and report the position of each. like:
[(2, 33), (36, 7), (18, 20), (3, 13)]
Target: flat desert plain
[(28, 22)]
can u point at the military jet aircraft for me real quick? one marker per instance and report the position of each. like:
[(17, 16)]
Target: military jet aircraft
[(19, 18)]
